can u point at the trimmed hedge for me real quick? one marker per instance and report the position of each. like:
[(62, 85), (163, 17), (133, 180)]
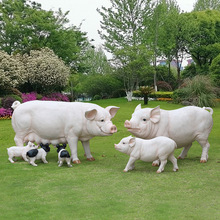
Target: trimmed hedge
[(159, 95)]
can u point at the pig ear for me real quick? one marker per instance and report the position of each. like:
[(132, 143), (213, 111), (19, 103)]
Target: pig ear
[(155, 114), (112, 110), (90, 114), (138, 108), (132, 142)]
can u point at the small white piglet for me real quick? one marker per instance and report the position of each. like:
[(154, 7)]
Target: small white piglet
[(20, 151), (161, 148), (37, 154)]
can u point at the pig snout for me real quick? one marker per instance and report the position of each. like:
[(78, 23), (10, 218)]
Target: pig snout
[(113, 129), (127, 124)]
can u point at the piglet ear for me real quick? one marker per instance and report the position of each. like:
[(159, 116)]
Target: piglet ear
[(132, 142), (138, 108), (90, 114), (112, 110), (155, 114)]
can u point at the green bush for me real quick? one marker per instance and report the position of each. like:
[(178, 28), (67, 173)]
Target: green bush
[(197, 91), (97, 97), (161, 95), (215, 70), (7, 101)]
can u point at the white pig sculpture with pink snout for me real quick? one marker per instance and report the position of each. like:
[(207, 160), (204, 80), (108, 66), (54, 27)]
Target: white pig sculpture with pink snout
[(62, 122), (184, 126), (161, 148)]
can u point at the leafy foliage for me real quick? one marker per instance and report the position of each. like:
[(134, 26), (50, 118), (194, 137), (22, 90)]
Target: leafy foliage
[(12, 71), (198, 91), (25, 26), (215, 70), (46, 72)]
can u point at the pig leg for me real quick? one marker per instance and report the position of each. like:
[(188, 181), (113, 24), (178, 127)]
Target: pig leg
[(10, 159), (18, 140), (87, 150), (130, 164), (60, 163), (68, 162), (205, 148), (44, 159), (24, 156), (174, 162), (156, 163), (184, 152), (162, 165), (31, 161), (72, 141)]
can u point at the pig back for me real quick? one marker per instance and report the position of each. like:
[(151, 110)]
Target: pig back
[(47, 119), (185, 124)]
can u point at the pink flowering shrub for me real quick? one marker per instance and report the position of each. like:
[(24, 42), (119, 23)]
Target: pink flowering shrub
[(56, 97), (29, 96), (5, 113)]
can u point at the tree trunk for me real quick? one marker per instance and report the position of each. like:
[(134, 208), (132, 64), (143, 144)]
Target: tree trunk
[(129, 95), (145, 99)]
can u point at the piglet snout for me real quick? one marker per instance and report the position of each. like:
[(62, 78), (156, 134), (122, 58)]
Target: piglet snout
[(113, 129), (127, 124)]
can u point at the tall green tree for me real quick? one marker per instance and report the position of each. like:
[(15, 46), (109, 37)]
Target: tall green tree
[(25, 26), (122, 30), (202, 41), (172, 32), (202, 5)]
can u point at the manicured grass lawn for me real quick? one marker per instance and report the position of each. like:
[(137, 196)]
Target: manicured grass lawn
[(100, 189)]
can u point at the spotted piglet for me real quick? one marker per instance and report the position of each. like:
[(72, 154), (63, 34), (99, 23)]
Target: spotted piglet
[(37, 154), (161, 148), (63, 155)]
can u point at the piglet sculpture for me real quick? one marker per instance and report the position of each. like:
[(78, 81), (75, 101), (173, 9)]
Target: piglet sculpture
[(161, 148), (184, 126), (20, 151), (63, 155), (38, 154), (62, 122)]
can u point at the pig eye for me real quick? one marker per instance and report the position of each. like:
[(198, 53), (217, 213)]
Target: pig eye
[(102, 120), (144, 119), (123, 143)]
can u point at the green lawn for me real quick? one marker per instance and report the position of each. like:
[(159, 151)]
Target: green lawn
[(101, 190)]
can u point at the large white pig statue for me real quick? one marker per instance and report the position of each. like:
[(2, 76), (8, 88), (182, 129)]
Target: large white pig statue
[(184, 126), (62, 122)]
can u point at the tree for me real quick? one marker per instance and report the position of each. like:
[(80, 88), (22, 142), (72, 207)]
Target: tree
[(95, 61), (202, 5), (215, 70), (122, 30), (12, 71), (202, 40), (46, 72), (24, 26)]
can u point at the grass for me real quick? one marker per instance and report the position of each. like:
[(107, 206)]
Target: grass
[(100, 189)]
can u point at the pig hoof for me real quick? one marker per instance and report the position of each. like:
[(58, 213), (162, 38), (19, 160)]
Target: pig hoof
[(180, 158), (90, 159), (203, 161), (77, 161), (175, 170), (125, 171), (155, 165), (158, 171)]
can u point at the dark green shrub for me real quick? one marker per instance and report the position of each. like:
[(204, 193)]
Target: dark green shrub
[(8, 100), (97, 97), (215, 70), (198, 91)]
